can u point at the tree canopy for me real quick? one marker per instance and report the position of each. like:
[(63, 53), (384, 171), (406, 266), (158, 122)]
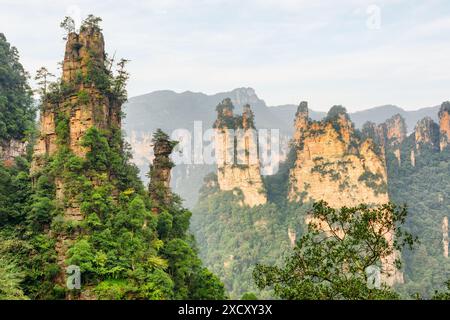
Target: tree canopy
[(17, 113)]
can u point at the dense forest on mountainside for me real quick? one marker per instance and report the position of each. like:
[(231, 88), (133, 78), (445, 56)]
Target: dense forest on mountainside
[(233, 239), (221, 223), (424, 188), (123, 250), (70, 195)]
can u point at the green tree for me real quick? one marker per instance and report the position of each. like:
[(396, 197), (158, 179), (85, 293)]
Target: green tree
[(10, 281), (68, 24), (330, 261), (443, 295), (17, 113), (249, 296)]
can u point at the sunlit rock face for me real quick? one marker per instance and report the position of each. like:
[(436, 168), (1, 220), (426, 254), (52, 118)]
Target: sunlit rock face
[(84, 105), (69, 112), (334, 164), (444, 125), (236, 150), (337, 164)]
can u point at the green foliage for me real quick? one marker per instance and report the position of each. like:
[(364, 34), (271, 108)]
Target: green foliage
[(424, 188), (332, 264), (62, 128), (249, 296), (17, 113), (443, 295), (123, 249), (68, 24), (83, 97), (336, 112), (233, 239), (374, 181), (277, 185), (91, 23), (10, 281)]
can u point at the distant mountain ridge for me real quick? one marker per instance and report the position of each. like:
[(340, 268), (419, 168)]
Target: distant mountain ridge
[(170, 110), (377, 114)]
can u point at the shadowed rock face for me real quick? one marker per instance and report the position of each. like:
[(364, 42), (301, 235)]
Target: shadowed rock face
[(335, 165), (9, 150), (427, 133), (444, 125), (159, 187), (237, 154), (388, 135)]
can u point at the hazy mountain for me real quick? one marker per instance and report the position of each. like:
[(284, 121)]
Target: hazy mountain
[(169, 110), (376, 114)]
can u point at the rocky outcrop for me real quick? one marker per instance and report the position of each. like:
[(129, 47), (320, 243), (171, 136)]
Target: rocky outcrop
[(9, 150), (160, 169), (395, 130), (337, 165), (427, 134), (388, 136), (81, 100), (444, 125), (83, 106), (236, 150), (333, 164)]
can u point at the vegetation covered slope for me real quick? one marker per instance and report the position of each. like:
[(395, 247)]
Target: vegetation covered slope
[(233, 239), (424, 188), (221, 224), (123, 250)]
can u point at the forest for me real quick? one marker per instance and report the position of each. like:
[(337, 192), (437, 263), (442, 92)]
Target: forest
[(70, 196), (123, 250)]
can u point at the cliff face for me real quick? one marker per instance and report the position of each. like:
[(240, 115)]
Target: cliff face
[(334, 165), (9, 150), (80, 102), (159, 187), (84, 105), (395, 130), (236, 149), (388, 135), (444, 125), (427, 133)]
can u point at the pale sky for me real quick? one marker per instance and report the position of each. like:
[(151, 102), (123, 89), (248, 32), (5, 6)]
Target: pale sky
[(352, 52)]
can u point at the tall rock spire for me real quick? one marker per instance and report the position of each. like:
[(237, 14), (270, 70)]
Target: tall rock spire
[(427, 134), (160, 170), (334, 164), (84, 98), (301, 121), (395, 130), (444, 124), (236, 149)]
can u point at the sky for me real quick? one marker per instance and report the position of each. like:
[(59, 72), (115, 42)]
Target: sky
[(356, 53)]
